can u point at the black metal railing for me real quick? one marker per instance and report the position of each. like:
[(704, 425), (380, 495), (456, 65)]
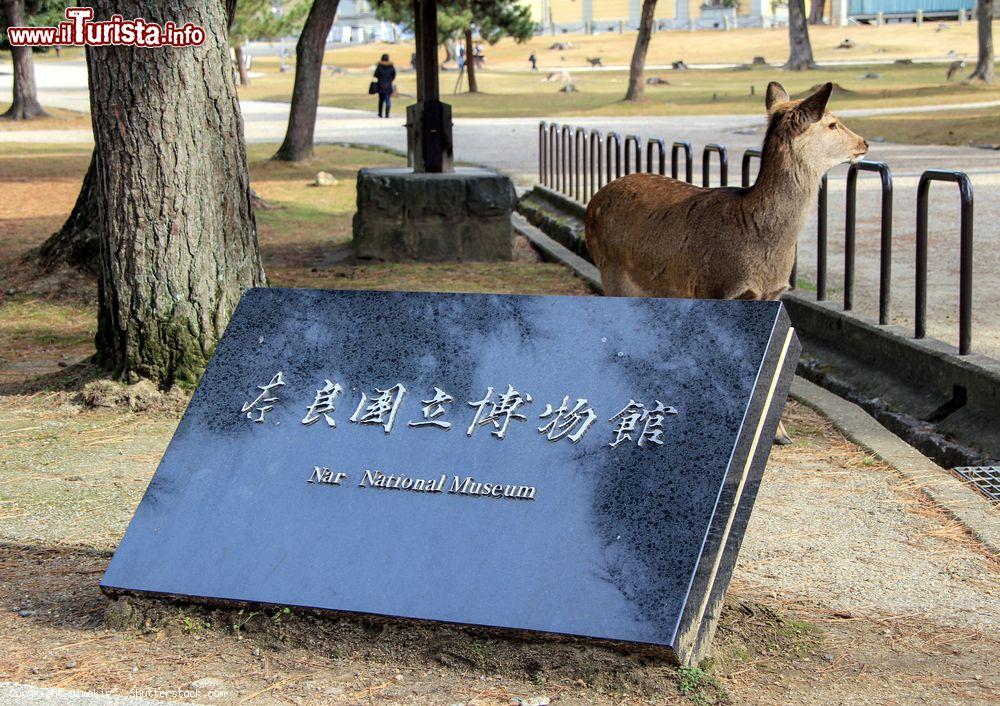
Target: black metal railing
[(575, 168), (594, 147), (661, 155), (633, 141), (748, 156), (822, 219), (965, 255), (613, 138), (564, 144), (579, 165), (850, 227), (688, 160), (706, 164)]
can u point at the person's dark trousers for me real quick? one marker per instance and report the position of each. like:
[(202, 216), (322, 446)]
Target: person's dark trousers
[(384, 100)]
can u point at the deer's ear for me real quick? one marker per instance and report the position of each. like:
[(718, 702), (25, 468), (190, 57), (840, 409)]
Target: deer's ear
[(814, 106), (775, 94)]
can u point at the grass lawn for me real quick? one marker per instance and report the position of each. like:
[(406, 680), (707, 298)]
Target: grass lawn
[(897, 41), (508, 89), (49, 321), (692, 92), (952, 127)]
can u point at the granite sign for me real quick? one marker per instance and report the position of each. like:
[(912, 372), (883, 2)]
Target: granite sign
[(575, 465)]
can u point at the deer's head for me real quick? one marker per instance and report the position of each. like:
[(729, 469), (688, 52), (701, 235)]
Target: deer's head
[(808, 132)]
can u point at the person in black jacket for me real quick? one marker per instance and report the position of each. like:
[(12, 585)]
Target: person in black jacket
[(385, 74)]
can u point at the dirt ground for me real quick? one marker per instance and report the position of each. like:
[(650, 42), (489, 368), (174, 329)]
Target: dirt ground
[(892, 604), (850, 587)]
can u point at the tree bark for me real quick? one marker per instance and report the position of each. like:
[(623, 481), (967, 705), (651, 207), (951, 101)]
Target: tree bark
[(178, 234), (637, 71), (984, 66), (450, 52), (298, 143), (24, 103), (78, 242), (816, 12), (241, 66), (800, 55), (470, 63)]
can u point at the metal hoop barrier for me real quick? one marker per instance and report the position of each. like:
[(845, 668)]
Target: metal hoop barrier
[(553, 153), (579, 161), (613, 136), (821, 238), (594, 147), (542, 147), (633, 140), (661, 153), (752, 153), (965, 256), (688, 160), (565, 136), (850, 227), (723, 164)]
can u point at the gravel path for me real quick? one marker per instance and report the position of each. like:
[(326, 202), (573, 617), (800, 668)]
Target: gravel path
[(896, 603), (836, 528)]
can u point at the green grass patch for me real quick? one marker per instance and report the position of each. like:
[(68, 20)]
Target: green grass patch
[(951, 127), (693, 92)]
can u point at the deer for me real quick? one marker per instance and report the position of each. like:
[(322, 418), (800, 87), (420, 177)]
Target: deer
[(654, 236)]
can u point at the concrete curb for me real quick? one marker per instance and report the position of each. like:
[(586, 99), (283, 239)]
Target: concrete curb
[(954, 496), (556, 252)]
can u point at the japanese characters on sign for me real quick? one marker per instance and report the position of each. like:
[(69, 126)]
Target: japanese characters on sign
[(636, 422)]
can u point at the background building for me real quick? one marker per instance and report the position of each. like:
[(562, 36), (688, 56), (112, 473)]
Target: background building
[(356, 20), (620, 15)]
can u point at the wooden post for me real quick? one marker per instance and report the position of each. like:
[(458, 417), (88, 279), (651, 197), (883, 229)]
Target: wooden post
[(426, 13), (429, 121)]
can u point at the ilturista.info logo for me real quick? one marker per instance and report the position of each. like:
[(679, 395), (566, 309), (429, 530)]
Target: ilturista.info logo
[(79, 29)]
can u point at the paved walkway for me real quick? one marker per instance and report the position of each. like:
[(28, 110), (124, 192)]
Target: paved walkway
[(510, 144)]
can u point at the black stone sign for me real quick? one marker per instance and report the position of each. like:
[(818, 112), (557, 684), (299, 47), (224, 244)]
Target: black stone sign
[(575, 465)]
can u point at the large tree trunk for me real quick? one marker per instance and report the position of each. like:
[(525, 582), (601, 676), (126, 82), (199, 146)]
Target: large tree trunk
[(816, 12), (984, 66), (24, 105), (241, 67), (78, 242), (800, 55), (298, 142), (470, 63), (179, 239), (637, 71), (450, 52)]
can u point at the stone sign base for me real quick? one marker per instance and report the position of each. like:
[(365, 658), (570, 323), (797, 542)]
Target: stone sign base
[(461, 216)]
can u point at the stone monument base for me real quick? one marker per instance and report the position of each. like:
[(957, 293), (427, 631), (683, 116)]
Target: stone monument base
[(461, 216)]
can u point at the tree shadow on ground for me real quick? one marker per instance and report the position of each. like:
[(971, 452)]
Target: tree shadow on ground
[(72, 378)]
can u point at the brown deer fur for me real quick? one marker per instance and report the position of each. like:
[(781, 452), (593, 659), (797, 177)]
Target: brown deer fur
[(655, 236)]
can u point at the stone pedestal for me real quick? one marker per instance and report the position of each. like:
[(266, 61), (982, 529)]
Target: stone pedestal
[(461, 216)]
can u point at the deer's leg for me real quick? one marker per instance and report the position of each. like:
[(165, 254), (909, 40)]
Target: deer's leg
[(611, 282)]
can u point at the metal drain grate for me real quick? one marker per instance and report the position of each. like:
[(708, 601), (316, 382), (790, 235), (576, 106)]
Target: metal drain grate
[(986, 479)]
